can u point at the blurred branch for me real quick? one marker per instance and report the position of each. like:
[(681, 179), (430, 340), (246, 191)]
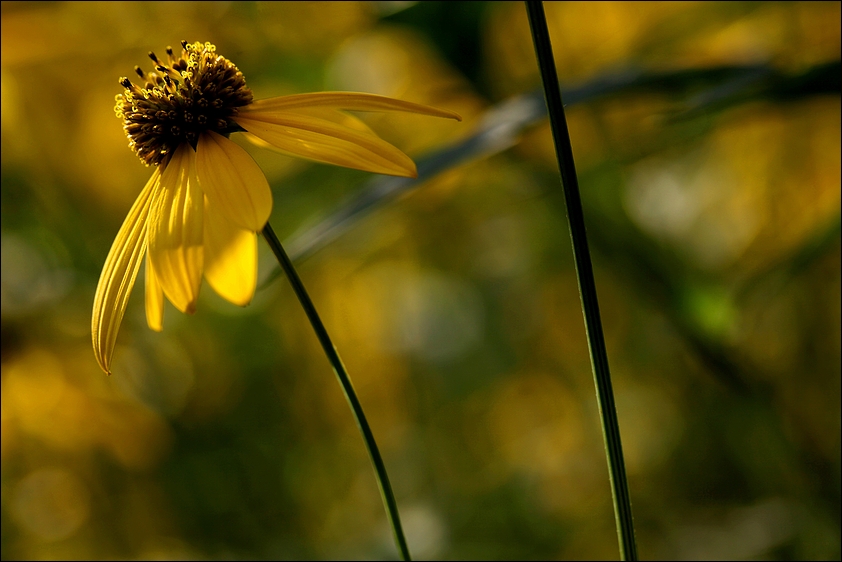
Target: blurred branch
[(765, 82), (653, 272), (503, 124)]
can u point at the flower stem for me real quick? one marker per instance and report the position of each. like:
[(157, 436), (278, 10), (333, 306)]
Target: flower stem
[(587, 287), (345, 382)]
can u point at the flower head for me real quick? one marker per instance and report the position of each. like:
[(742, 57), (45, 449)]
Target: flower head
[(200, 211)]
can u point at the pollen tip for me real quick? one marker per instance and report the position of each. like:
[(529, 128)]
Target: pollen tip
[(184, 44), (125, 82), (153, 57)]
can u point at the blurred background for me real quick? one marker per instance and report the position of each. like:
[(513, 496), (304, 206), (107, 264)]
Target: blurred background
[(710, 174)]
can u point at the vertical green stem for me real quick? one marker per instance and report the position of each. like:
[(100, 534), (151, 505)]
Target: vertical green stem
[(345, 382), (587, 287)]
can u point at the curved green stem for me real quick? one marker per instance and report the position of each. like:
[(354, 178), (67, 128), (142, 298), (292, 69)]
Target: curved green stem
[(587, 287), (345, 382)]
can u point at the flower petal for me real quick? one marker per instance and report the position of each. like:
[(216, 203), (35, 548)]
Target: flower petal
[(175, 231), (233, 182), (351, 101), (154, 299), (324, 141), (230, 257), (119, 274), (335, 116)]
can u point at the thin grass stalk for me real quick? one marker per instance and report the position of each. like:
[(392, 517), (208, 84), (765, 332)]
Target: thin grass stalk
[(587, 287), (345, 382)]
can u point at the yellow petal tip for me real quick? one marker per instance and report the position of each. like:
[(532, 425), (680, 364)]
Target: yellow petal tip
[(105, 369)]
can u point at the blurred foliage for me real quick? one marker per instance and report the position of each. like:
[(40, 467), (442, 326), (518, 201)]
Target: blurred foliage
[(712, 194)]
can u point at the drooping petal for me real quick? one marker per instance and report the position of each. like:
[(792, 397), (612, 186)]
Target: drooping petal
[(233, 182), (335, 116), (352, 101), (324, 141), (327, 113), (154, 299), (119, 274), (176, 230), (230, 257)]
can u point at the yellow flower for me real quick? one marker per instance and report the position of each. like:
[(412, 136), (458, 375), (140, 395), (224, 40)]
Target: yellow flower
[(200, 211)]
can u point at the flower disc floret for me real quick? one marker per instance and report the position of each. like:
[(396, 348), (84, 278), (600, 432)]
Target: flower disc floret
[(190, 94)]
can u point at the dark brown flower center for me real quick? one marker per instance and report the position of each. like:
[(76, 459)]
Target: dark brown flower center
[(195, 92)]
